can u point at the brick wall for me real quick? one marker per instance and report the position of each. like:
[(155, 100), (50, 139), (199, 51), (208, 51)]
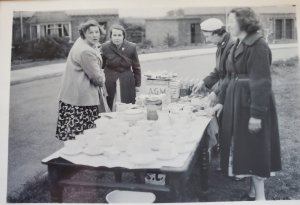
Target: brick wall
[(185, 31), (269, 29), (157, 30)]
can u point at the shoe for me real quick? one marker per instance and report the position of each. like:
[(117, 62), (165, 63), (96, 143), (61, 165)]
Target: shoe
[(246, 197), (239, 179)]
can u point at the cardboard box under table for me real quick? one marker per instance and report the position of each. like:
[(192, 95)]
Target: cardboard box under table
[(178, 171)]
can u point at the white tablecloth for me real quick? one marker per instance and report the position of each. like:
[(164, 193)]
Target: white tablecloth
[(196, 128)]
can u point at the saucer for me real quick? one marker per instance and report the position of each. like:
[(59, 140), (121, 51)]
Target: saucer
[(70, 152)]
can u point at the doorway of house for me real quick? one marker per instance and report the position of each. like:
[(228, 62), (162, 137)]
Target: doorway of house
[(279, 28), (195, 33)]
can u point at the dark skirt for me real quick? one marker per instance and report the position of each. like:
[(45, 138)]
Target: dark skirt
[(127, 86), (253, 153), (73, 120)]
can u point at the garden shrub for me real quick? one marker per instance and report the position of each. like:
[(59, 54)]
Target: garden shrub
[(170, 40), (47, 48)]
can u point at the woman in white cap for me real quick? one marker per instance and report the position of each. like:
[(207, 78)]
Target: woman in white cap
[(214, 31)]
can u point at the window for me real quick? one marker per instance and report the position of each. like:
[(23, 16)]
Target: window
[(60, 30), (289, 24), (279, 28), (193, 33)]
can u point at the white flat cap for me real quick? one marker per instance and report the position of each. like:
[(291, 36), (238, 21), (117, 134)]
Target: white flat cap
[(211, 24)]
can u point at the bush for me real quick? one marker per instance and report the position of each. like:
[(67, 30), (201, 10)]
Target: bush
[(146, 44), (286, 63), (47, 48), (170, 40)]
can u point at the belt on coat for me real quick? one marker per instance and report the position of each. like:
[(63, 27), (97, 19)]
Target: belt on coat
[(237, 76)]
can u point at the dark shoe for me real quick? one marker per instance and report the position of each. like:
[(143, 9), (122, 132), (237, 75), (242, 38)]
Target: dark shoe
[(239, 179), (246, 197)]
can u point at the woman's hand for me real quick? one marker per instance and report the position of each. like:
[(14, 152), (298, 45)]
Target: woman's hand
[(137, 89), (254, 125), (212, 99), (199, 87), (217, 109)]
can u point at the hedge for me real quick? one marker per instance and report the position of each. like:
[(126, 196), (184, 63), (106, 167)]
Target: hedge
[(47, 48)]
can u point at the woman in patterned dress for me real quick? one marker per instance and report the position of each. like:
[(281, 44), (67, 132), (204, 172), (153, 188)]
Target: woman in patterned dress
[(82, 82)]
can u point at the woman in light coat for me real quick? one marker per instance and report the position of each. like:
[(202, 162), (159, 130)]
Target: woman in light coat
[(82, 82)]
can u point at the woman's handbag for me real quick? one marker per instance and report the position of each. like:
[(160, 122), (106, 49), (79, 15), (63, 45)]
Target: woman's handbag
[(103, 107)]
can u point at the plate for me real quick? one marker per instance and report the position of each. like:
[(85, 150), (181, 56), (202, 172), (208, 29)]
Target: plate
[(109, 115), (70, 152), (143, 159), (118, 196)]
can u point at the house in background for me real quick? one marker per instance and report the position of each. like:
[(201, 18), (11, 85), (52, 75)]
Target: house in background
[(278, 24), (29, 25), (184, 30)]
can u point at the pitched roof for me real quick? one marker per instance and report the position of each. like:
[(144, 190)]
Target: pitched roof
[(49, 17), (86, 12), (93, 12)]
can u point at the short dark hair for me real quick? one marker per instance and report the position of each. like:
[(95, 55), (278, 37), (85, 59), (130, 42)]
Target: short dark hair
[(246, 19), (86, 25), (219, 31), (118, 27)]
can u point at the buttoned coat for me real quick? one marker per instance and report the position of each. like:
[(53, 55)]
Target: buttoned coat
[(215, 78), (123, 64), (247, 93), (83, 76)]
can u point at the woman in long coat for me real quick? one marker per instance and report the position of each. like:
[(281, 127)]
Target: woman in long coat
[(120, 61), (250, 138)]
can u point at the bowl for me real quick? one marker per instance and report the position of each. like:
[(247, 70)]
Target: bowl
[(118, 196), (134, 115), (93, 150)]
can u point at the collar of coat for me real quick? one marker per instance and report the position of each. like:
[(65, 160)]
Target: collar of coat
[(224, 41), (252, 39), (122, 48), (249, 40)]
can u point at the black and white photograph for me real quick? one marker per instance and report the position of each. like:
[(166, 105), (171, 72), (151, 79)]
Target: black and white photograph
[(161, 102)]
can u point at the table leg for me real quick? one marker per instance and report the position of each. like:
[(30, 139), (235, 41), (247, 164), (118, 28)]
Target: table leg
[(54, 175), (177, 184), (204, 166)]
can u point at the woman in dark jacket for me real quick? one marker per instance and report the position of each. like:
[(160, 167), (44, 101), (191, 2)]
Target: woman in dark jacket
[(120, 61), (250, 138)]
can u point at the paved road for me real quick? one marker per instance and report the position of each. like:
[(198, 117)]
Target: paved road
[(33, 114)]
